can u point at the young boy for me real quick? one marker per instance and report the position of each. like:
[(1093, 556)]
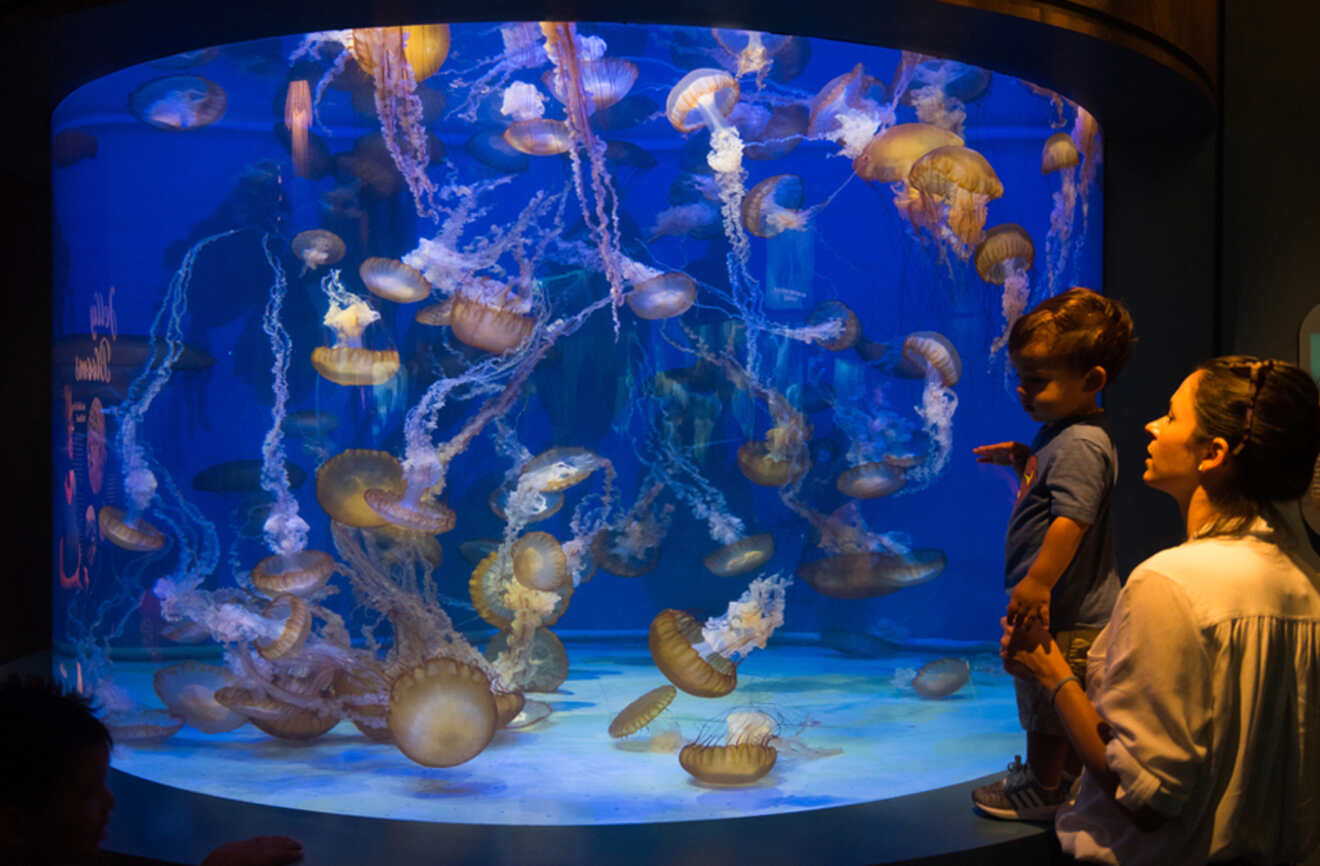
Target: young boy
[(1059, 547), (54, 803)]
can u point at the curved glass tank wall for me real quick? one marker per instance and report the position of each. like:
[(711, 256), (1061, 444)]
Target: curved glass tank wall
[(549, 423)]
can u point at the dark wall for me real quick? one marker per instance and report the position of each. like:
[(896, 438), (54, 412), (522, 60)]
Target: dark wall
[(1160, 201)]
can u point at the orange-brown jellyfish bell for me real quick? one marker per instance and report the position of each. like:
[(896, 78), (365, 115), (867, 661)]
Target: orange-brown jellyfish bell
[(867, 575), (703, 97), (871, 480), (642, 711), (964, 181), (188, 691), (613, 552), (842, 112), (348, 362), (342, 481), (434, 315), (317, 247), (301, 573), (889, 157), (295, 627), (1003, 259), (547, 661), (739, 764), (129, 533), (762, 464), (425, 47), (487, 314), (744, 555), (671, 637), (605, 81), (942, 677), (924, 350), (442, 713), (393, 280), (774, 206), (539, 562), (662, 297), (539, 136), (487, 587), (850, 327), (414, 509), (275, 717), (1059, 152)]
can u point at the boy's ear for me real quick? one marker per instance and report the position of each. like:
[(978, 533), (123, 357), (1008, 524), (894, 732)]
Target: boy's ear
[(1095, 379)]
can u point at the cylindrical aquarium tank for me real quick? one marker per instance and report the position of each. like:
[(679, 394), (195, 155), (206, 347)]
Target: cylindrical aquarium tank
[(549, 423)]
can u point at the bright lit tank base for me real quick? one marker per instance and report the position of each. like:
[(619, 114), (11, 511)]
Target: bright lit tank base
[(567, 770)]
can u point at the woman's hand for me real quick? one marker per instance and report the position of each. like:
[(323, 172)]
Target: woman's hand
[(1030, 652)]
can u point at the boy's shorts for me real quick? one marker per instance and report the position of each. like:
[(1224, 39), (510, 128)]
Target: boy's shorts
[(1033, 699)]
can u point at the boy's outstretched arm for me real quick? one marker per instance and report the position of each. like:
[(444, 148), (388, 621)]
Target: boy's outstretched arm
[(1013, 454), (1031, 597)]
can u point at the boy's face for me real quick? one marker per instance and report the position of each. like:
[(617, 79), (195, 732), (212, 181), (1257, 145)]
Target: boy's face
[(1049, 389)]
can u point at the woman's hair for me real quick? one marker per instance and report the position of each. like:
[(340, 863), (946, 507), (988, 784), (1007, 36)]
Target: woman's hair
[(1269, 414)]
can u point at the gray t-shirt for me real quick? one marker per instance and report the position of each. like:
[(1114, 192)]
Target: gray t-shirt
[(1071, 473)]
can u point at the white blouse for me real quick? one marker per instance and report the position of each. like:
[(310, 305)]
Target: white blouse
[(1209, 676)]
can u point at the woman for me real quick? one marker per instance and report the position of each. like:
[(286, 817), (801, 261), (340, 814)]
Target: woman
[(1200, 727)]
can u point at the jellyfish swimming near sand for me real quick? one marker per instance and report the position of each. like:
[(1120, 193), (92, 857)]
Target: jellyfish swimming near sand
[(642, 711), (699, 657)]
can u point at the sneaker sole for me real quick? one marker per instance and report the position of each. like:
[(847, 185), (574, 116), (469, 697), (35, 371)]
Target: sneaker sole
[(1035, 813)]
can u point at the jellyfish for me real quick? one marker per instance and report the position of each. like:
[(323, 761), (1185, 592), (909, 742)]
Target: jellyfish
[(393, 280), (868, 575), (539, 562), (297, 117), (942, 677), (188, 691), (434, 315), (605, 81), (698, 219), (699, 658), (775, 205), (567, 54), (275, 717), (745, 756), (888, 158), (705, 97), (939, 90), (487, 587), (938, 360), (539, 136), (849, 330), (317, 247), (1003, 259), (442, 713), (347, 362), (522, 49), (744, 555), (142, 727), (642, 711), (630, 547), (546, 667), (487, 314), (178, 102), (750, 52), (535, 505), (842, 112), (343, 479), (871, 480), (1060, 156), (956, 182), (1086, 135)]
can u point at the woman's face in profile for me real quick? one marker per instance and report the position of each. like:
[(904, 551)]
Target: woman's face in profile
[(1174, 453)]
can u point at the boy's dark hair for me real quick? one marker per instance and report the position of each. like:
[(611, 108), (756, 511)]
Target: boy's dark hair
[(1083, 328), (1268, 412), (44, 732)]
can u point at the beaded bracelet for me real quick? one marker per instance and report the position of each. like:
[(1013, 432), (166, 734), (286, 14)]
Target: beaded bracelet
[(1054, 693)]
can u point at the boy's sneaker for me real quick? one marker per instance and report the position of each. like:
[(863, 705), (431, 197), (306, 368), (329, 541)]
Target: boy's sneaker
[(1019, 797)]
